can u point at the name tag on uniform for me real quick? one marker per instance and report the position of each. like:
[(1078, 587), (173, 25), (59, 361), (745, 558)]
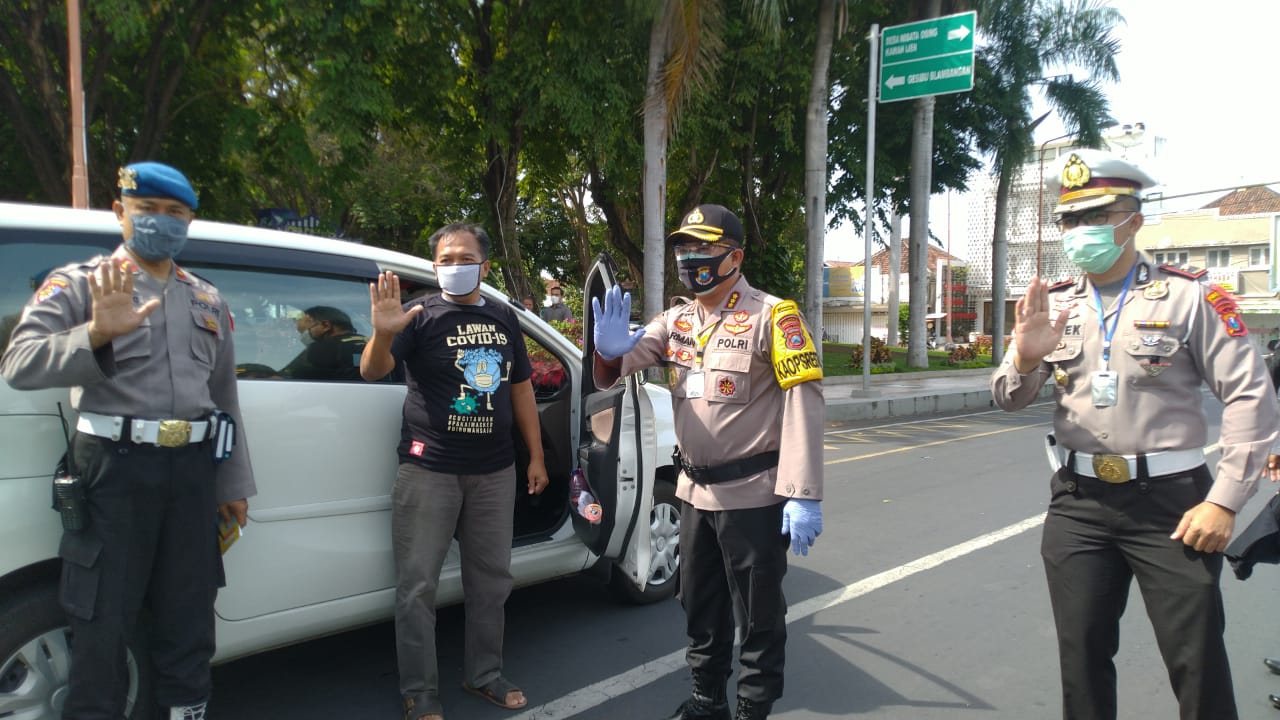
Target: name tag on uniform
[(1103, 384), (693, 384)]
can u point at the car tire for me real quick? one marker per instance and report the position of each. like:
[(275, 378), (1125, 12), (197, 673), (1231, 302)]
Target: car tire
[(35, 656), (664, 536)]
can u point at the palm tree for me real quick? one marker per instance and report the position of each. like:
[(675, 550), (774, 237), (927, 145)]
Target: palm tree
[(1027, 39), (685, 42), (815, 164)]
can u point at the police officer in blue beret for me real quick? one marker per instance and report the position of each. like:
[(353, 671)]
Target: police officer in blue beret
[(145, 347)]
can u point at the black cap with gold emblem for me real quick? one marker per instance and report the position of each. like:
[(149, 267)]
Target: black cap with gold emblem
[(709, 223)]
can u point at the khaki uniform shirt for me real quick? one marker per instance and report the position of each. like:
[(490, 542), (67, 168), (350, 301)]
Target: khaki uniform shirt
[(179, 364), (1174, 332), (743, 410)]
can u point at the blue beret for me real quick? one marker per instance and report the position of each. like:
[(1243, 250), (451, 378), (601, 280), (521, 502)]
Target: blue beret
[(153, 179)]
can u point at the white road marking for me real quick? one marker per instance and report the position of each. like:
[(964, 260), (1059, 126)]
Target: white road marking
[(609, 689)]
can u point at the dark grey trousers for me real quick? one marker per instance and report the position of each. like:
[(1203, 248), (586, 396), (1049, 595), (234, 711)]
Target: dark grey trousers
[(428, 509), (152, 541), (731, 564), (1097, 539)]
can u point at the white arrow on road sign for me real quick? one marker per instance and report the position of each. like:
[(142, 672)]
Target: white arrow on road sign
[(894, 81), (959, 33)]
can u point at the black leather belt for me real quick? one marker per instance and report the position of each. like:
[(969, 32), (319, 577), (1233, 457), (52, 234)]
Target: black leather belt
[(712, 474)]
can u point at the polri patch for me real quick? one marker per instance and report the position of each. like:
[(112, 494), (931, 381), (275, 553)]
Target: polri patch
[(51, 287)]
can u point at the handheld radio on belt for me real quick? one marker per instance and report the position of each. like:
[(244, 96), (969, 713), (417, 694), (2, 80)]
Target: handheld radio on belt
[(68, 490)]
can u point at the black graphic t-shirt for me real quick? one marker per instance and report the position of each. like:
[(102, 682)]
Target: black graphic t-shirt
[(461, 361)]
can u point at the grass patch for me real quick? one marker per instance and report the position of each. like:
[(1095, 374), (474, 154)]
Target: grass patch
[(835, 361)]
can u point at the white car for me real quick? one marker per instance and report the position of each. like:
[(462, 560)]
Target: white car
[(316, 556)]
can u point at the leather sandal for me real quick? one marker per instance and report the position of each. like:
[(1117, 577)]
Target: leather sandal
[(428, 709), (497, 691)]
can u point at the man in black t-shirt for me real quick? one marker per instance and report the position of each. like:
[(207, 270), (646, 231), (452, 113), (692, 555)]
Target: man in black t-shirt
[(332, 349), (468, 376)]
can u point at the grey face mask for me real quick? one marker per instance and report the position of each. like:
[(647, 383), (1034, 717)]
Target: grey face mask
[(157, 237)]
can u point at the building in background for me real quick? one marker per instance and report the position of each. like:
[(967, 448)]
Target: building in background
[(847, 284), (1031, 227), (1234, 238)]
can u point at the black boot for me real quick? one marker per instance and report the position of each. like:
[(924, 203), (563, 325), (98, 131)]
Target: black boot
[(752, 710), (708, 700)]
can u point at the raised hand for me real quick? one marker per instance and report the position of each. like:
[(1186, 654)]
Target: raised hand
[(387, 313), (613, 334), (113, 314), (1035, 333)]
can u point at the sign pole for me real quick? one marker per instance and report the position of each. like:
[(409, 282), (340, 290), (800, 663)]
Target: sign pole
[(868, 216)]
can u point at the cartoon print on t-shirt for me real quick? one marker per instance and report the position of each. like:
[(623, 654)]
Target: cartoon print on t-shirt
[(480, 368)]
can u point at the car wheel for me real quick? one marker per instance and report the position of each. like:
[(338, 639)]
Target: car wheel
[(35, 660), (664, 540)]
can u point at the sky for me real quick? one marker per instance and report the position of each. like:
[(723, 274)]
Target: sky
[(1201, 76)]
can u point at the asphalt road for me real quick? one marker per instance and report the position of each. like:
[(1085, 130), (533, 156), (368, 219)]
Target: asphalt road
[(923, 599)]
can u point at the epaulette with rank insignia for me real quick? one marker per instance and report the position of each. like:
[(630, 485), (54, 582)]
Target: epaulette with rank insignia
[(1190, 273), (1062, 284)]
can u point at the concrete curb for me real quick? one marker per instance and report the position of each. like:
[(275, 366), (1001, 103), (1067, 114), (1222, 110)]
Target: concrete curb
[(924, 401)]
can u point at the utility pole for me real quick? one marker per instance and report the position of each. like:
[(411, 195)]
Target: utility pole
[(921, 184), (79, 171)]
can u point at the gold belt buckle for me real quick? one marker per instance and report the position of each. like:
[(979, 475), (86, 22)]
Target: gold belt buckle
[(173, 433), (1111, 468)]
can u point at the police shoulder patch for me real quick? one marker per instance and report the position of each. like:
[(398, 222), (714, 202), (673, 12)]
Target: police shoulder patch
[(795, 359), (1224, 304), (51, 287)]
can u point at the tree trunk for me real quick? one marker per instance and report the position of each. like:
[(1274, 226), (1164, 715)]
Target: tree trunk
[(1000, 262), (918, 257), (895, 277), (921, 186), (654, 174), (815, 170)]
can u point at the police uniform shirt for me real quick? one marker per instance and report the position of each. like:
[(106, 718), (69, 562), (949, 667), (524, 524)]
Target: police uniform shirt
[(179, 364), (461, 361), (743, 410), (1173, 333)]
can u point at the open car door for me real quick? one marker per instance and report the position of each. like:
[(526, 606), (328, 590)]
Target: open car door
[(617, 451)]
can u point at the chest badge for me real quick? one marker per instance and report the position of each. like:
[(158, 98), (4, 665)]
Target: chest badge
[(738, 323), (1156, 290), (1061, 377), (683, 325)]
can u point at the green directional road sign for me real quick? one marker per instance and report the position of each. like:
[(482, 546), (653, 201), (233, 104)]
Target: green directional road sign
[(930, 57)]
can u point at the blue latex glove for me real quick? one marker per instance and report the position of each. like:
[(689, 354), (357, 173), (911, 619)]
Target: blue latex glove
[(613, 334), (802, 520)]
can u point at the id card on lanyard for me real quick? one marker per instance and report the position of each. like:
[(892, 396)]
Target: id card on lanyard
[(695, 380), (1104, 385)]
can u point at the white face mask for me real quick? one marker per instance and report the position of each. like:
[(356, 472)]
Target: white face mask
[(555, 299), (458, 280)]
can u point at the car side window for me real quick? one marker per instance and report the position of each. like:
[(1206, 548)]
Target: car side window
[(26, 257), (294, 326), (549, 373)]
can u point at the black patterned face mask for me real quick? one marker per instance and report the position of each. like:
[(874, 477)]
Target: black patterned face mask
[(701, 273)]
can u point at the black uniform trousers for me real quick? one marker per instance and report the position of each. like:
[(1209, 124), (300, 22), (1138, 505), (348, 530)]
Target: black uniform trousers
[(732, 563), (1097, 538), (151, 542)]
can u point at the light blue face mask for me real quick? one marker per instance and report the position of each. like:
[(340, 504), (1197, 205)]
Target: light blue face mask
[(157, 237), (1092, 247)]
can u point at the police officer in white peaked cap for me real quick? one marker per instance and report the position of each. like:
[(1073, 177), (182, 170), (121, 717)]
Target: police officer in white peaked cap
[(1128, 345)]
